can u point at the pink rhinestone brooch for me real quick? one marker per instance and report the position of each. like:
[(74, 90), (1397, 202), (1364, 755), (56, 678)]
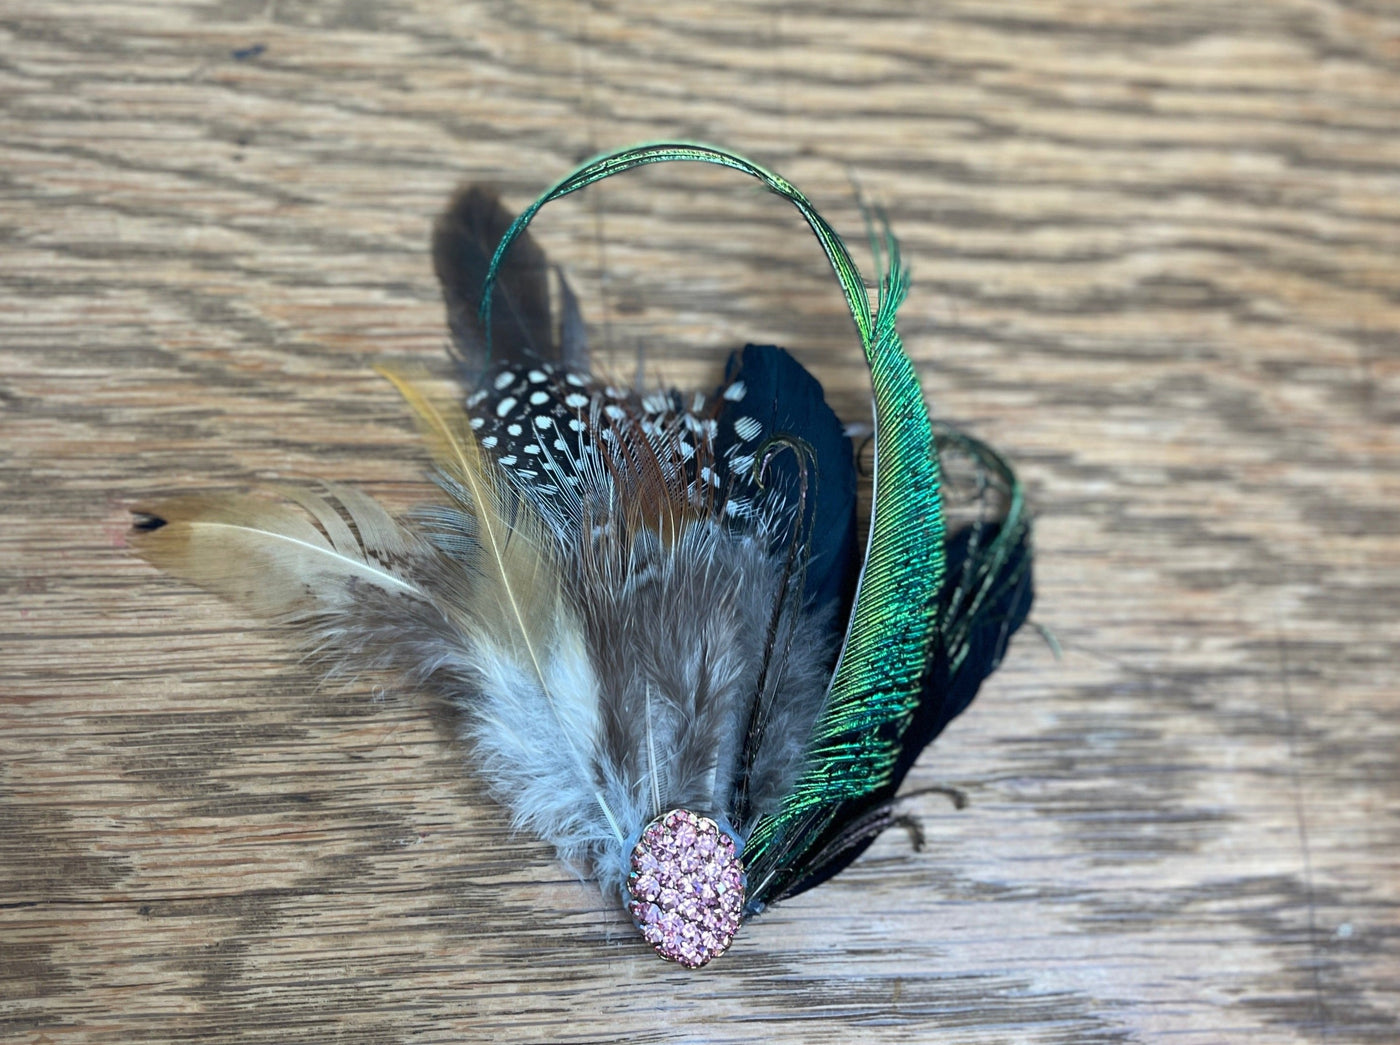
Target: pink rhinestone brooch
[(687, 888)]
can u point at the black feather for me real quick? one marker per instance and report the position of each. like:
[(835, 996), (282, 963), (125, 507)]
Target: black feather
[(464, 241), (787, 403)]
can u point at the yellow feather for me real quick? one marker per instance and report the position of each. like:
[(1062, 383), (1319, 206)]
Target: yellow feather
[(516, 564)]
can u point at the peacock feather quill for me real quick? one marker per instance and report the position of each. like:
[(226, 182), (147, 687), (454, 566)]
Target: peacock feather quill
[(670, 658)]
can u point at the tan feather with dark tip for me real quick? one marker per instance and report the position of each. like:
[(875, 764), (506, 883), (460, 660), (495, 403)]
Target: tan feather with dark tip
[(272, 558)]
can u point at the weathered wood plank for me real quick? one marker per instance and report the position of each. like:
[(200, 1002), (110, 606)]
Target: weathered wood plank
[(1155, 252)]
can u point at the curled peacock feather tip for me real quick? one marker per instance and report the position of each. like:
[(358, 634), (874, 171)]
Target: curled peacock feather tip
[(672, 657)]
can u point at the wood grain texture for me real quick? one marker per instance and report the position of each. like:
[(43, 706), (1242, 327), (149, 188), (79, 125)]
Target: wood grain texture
[(1156, 251)]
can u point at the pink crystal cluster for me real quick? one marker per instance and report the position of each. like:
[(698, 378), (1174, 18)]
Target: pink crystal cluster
[(687, 888)]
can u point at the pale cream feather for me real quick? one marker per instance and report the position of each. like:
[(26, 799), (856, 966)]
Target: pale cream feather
[(269, 557)]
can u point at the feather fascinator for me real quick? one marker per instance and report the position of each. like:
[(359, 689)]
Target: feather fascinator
[(672, 657)]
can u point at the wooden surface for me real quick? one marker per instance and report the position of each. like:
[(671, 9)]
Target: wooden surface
[(1157, 260)]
